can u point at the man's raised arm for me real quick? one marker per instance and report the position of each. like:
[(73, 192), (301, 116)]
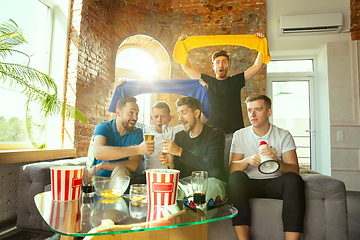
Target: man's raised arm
[(188, 68), (257, 66)]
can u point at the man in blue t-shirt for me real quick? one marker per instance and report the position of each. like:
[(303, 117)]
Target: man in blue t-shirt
[(118, 144)]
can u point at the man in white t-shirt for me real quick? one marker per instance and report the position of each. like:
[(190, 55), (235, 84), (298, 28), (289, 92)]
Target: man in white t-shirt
[(246, 181), (160, 115)]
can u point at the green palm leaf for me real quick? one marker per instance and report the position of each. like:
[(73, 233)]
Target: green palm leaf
[(37, 86)]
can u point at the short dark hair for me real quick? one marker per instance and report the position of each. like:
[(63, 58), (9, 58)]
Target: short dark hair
[(192, 103), (122, 102), (161, 104), (220, 53), (257, 96)]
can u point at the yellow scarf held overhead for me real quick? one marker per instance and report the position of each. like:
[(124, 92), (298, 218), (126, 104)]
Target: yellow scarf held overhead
[(182, 48)]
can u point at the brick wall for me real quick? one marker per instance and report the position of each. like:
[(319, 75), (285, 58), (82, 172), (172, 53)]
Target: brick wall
[(215, 17), (355, 19), (99, 27), (9, 181), (90, 66)]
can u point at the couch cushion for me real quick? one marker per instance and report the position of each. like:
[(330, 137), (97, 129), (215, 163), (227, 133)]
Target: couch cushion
[(32, 179)]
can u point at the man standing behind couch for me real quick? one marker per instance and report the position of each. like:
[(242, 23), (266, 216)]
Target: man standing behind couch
[(118, 144), (224, 91), (199, 147), (246, 181)]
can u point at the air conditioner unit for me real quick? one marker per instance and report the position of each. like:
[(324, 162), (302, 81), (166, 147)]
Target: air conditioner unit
[(323, 23)]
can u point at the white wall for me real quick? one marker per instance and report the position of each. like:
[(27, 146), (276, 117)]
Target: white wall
[(343, 82), (322, 116), (306, 45), (336, 84)]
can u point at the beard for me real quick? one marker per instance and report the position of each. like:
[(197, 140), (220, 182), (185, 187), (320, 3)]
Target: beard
[(127, 126), (190, 127)]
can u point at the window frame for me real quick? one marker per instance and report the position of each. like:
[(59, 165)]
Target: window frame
[(55, 66), (292, 60)]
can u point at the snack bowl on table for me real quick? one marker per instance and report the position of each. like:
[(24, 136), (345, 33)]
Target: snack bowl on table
[(107, 187)]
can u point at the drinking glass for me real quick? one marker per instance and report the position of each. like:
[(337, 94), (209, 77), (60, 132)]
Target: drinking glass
[(149, 132), (138, 193), (199, 184), (167, 133), (138, 210)]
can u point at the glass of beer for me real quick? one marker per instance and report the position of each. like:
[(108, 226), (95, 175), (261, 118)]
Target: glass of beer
[(149, 132), (199, 184)]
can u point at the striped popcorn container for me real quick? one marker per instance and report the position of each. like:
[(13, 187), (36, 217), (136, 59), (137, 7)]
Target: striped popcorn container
[(162, 186), (65, 216), (158, 216), (66, 182)]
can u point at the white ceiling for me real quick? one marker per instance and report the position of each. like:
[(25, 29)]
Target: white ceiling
[(282, 47)]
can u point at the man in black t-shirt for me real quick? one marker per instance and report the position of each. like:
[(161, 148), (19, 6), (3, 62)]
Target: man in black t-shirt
[(224, 92), (198, 147)]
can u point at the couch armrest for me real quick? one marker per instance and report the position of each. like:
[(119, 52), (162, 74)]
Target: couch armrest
[(326, 208), (318, 186), (32, 180)]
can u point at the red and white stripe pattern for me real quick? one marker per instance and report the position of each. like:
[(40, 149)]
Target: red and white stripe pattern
[(156, 217), (154, 213), (162, 186), (66, 182), (62, 211)]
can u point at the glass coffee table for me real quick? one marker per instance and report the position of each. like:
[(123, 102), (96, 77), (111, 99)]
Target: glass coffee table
[(122, 219)]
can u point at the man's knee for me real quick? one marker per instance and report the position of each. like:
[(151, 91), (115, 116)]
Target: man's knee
[(237, 179), (238, 176), (294, 180), (121, 171)]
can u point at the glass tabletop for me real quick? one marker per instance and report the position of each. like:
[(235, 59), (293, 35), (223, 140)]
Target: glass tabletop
[(115, 216)]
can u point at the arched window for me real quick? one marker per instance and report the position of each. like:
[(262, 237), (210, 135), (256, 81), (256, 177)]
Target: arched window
[(141, 63), (134, 62)]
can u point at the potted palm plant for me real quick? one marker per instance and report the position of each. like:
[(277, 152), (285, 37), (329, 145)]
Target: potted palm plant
[(39, 88)]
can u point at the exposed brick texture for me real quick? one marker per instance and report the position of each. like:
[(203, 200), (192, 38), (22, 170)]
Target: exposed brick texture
[(355, 19), (98, 28)]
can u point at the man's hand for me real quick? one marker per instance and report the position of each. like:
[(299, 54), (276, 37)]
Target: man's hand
[(203, 83), (121, 82), (260, 35), (94, 169), (183, 37), (171, 147), (269, 152), (91, 171), (166, 160), (254, 160), (258, 65), (146, 147)]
